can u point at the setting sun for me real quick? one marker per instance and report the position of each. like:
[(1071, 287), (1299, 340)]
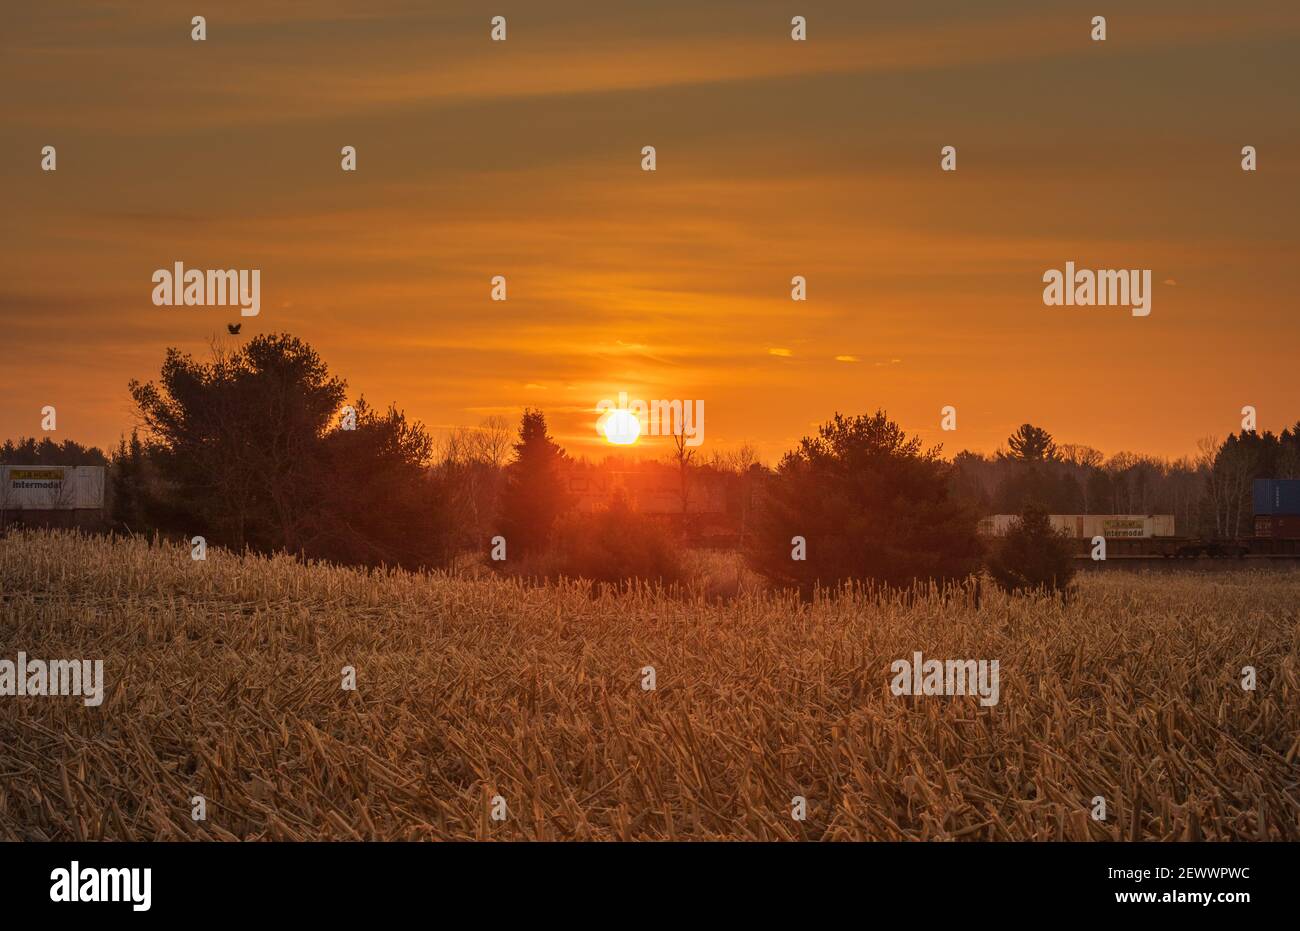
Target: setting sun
[(622, 428)]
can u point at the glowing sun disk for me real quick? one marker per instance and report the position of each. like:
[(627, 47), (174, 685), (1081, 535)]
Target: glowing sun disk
[(622, 428)]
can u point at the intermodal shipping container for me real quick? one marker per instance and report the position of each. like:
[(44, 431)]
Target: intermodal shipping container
[(51, 488), (1087, 526), (1278, 526), (1277, 496)]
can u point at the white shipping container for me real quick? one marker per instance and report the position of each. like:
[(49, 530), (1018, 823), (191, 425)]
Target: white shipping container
[(51, 488), (1087, 526)]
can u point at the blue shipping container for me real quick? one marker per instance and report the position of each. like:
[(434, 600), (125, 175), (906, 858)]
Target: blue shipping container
[(1277, 495)]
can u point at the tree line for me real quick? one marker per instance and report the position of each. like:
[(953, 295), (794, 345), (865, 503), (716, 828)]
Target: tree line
[(1209, 494), (260, 448)]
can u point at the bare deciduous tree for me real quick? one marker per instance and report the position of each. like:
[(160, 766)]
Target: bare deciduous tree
[(683, 455)]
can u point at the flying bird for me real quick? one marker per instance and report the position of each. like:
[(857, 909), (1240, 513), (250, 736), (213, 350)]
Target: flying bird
[(234, 328)]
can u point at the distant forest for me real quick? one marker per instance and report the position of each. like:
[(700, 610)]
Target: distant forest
[(248, 449), (1208, 494)]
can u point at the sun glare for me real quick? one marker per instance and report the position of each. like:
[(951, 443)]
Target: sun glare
[(622, 428)]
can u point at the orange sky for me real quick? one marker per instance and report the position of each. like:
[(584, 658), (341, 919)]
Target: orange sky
[(775, 159)]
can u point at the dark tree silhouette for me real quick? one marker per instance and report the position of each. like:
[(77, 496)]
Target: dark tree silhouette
[(248, 452), (1031, 444), (378, 501), (870, 505), (535, 493), (27, 451), (239, 435), (127, 474)]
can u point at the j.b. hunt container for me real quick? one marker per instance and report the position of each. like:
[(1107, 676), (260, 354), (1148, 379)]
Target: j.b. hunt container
[(1277, 496)]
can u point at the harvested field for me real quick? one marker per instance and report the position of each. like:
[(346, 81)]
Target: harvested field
[(223, 679)]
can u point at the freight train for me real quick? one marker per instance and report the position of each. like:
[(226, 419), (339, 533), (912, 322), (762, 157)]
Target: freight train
[(1276, 530)]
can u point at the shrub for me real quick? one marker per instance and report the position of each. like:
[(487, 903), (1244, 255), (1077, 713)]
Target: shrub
[(614, 545), (1032, 556)]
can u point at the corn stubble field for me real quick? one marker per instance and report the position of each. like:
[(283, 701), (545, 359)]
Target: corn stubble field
[(223, 679)]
